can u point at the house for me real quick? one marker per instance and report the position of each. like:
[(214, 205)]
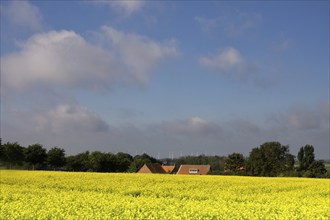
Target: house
[(168, 168), (194, 169), (151, 168)]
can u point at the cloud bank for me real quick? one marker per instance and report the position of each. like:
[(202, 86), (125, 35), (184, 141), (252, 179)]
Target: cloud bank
[(76, 129)]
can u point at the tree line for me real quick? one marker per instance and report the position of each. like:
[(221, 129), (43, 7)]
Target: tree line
[(274, 159), (35, 156), (269, 159)]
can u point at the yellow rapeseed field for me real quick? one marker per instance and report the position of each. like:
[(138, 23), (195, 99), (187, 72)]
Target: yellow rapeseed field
[(64, 195)]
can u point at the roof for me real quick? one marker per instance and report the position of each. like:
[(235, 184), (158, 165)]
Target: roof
[(151, 168), (194, 169), (168, 169)]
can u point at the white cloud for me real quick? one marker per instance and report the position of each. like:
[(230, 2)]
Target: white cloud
[(194, 126), (123, 7), (240, 22), (228, 59), (230, 62), (69, 118), (23, 14), (61, 58), (127, 6), (139, 54), (64, 58), (233, 23)]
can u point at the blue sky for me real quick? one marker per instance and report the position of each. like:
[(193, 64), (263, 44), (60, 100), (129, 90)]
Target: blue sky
[(187, 77)]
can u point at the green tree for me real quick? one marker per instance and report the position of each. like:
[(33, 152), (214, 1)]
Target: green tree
[(289, 166), (235, 163), (217, 164), (35, 155), (270, 159), (79, 162), (255, 163), (95, 161), (290, 162), (124, 160), (308, 166), (12, 154), (102, 162), (56, 157), (306, 157), (316, 169)]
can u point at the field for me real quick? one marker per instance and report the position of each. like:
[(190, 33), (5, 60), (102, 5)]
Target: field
[(63, 195)]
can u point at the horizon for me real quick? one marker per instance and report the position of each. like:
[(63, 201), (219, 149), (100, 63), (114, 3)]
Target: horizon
[(172, 155)]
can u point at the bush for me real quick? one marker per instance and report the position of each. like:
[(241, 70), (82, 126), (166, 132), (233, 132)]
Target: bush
[(327, 174)]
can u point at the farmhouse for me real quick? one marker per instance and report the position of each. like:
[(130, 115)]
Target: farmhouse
[(151, 168), (194, 169)]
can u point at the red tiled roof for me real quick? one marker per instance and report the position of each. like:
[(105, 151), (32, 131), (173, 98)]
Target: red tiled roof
[(194, 169), (168, 169), (151, 168)]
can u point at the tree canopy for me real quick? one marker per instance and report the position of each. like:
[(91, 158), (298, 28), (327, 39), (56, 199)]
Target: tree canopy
[(270, 159), (235, 163), (12, 153), (308, 166), (306, 157), (56, 157), (35, 155)]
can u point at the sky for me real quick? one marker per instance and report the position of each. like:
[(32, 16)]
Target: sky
[(165, 77)]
